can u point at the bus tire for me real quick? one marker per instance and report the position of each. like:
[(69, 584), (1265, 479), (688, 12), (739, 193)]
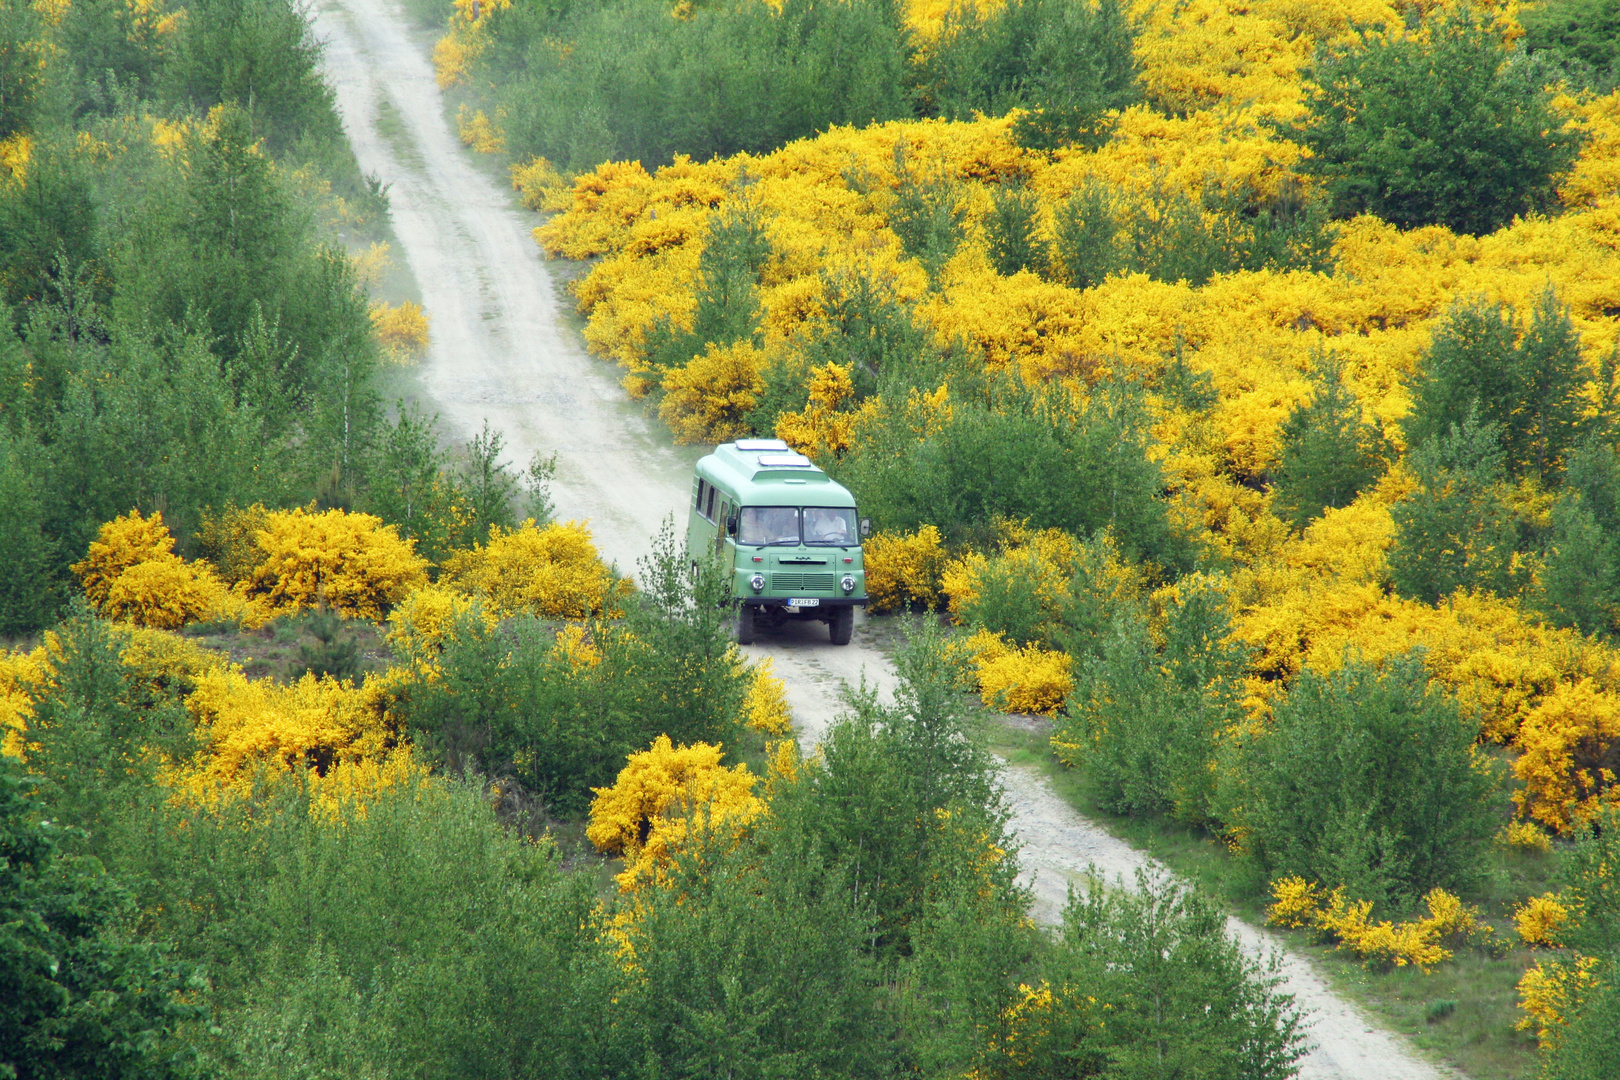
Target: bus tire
[(745, 624), (842, 625)]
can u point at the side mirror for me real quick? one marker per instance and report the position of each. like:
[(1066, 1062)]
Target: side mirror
[(866, 527), (731, 523)]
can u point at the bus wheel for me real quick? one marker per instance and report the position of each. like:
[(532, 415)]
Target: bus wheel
[(842, 624), (745, 624)]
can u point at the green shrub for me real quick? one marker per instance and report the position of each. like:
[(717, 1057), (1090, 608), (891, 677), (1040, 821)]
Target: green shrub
[(1367, 779), (1447, 129), (581, 84), (1328, 454), (1144, 723), (1182, 999)]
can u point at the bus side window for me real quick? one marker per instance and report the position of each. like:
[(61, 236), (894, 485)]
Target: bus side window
[(710, 511), (697, 500), (725, 515)]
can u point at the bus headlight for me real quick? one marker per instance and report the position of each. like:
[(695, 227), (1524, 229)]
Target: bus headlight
[(757, 582), (848, 584)]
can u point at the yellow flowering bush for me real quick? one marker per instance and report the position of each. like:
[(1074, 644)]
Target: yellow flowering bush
[(1421, 943), (1538, 919), (709, 399), (663, 795), (1566, 742), (131, 574), (1019, 680), (905, 569), (478, 132), (19, 671), (1523, 836), (402, 330), (425, 621), (827, 424), (765, 709), (352, 563), (552, 571), (1550, 992), (312, 723), (539, 185)]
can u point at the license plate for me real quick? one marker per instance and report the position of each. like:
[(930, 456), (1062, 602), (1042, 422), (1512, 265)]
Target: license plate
[(797, 603)]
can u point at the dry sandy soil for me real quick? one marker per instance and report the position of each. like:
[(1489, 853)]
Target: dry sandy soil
[(503, 351)]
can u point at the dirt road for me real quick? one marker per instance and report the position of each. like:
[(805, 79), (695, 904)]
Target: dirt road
[(502, 351)]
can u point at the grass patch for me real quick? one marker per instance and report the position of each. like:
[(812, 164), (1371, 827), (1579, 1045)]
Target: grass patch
[(1463, 1013)]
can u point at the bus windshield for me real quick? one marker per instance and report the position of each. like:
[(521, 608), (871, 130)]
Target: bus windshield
[(762, 525), (832, 526), (829, 526)]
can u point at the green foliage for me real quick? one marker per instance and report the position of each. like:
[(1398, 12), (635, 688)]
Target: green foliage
[(751, 964), (77, 996), (1530, 388), (1583, 36), (1067, 64), (1366, 779), (728, 308), (27, 596), (1455, 531), (927, 214), (1576, 586), (21, 50), (1589, 874), (1590, 1045), (260, 55), (1166, 234), (1145, 723), (1182, 998), (1058, 460), (582, 83), (1442, 129), (1328, 453), (508, 704), (331, 653), (1012, 226), (896, 788)]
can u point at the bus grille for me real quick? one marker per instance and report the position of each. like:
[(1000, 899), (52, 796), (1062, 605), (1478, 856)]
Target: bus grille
[(810, 583)]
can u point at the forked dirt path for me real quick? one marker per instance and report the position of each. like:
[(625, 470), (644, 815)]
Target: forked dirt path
[(503, 352)]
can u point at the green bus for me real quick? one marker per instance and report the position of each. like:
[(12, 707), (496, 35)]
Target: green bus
[(786, 530)]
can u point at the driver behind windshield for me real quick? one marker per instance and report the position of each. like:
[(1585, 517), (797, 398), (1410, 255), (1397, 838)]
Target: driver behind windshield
[(762, 525), (826, 525)]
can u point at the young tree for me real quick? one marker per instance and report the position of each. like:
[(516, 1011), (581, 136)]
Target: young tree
[(1576, 586), (1012, 226), (1366, 779), (1455, 531), (27, 581), (77, 996), (1174, 995), (1437, 127), (1328, 453)]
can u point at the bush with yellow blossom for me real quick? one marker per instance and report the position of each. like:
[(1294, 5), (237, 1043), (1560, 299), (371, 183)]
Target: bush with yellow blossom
[(664, 795), (905, 569), (131, 574), (349, 562), (552, 571)]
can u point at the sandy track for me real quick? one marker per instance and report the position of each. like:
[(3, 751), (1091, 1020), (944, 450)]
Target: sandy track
[(503, 352)]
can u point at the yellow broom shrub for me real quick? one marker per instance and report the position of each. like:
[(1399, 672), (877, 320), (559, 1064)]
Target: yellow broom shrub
[(905, 569), (131, 574), (1421, 943), (352, 563), (1019, 680), (765, 709), (663, 795), (1539, 918), (1551, 991), (402, 330), (552, 571), (1566, 742), (709, 399)]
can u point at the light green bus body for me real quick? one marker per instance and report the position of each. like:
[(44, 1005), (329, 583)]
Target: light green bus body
[(785, 529)]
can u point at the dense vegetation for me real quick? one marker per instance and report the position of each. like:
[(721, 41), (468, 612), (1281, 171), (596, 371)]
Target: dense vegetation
[(182, 329), (1240, 379), (1282, 385)]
